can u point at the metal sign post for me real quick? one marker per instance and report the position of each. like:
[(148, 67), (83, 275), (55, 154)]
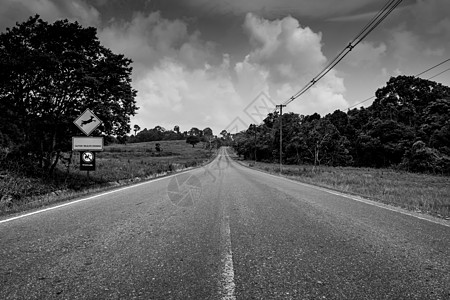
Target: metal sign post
[(87, 122)]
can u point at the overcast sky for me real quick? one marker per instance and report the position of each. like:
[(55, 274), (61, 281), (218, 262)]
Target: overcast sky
[(212, 63)]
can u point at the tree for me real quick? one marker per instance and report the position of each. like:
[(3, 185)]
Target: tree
[(207, 136), (224, 133), (176, 129), (194, 131), (193, 140), (136, 129), (51, 73), (207, 132)]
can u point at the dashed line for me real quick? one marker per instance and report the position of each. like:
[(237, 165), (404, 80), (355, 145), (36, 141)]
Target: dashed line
[(227, 285)]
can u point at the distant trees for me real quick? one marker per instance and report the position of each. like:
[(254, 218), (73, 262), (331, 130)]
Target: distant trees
[(195, 132), (193, 140), (49, 74), (157, 133), (136, 128), (176, 129), (407, 126)]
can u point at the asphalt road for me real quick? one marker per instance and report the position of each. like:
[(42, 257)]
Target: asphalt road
[(223, 232)]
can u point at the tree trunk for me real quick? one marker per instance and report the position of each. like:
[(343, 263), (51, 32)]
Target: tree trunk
[(54, 163)]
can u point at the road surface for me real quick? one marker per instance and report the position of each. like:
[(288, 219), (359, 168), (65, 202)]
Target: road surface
[(223, 232)]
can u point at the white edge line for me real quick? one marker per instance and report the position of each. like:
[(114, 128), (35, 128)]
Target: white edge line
[(359, 199), (93, 197)]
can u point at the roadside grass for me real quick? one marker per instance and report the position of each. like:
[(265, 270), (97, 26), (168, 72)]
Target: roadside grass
[(117, 165), (417, 192)]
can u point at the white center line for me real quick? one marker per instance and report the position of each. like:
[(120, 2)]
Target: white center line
[(227, 285)]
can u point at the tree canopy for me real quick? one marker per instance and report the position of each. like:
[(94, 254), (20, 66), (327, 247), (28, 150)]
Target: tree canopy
[(407, 126), (49, 74)]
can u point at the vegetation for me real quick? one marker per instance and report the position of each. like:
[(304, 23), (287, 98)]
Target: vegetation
[(193, 140), (119, 164), (50, 74), (417, 192), (406, 127)]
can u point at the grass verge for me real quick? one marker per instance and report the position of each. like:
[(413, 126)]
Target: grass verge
[(118, 165), (417, 192)]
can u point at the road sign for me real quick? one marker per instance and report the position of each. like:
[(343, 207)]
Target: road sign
[(87, 161), (84, 143), (87, 122)]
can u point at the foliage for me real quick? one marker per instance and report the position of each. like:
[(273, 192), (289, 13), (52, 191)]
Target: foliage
[(119, 164), (386, 134), (49, 74), (156, 134), (193, 140)]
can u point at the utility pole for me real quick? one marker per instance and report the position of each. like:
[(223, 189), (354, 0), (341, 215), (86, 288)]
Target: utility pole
[(281, 133)]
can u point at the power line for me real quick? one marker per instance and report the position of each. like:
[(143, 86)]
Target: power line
[(379, 17), (433, 67), (439, 74), (421, 73), (356, 104)]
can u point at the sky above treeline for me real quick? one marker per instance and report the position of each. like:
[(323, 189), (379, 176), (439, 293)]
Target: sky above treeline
[(224, 64)]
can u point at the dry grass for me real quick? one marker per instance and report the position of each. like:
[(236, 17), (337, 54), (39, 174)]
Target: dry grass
[(117, 165), (419, 192)]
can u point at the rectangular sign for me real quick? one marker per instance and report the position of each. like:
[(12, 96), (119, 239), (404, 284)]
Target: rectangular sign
[(87, 161), (81, 143)]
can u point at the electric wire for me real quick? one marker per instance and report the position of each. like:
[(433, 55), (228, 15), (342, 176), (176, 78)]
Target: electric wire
[(421, 73), (433, 67), (446, 70), (379, 17)]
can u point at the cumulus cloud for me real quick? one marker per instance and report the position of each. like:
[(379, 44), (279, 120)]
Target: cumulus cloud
[(286, 56), (180, 78), (170, 94), (149, 38), (283, 48), (183, 79)]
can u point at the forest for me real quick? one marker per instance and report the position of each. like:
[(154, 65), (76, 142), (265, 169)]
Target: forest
[(407, 127)]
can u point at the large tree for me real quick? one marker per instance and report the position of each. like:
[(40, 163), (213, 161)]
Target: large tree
[(49, 74)]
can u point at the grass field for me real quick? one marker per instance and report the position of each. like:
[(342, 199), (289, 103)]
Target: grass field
[(125, 164), (418, 192), (116, 165)]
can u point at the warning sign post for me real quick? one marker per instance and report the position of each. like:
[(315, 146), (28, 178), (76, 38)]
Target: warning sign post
[(87, 161)]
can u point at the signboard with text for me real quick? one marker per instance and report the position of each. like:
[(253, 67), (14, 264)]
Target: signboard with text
[(82, 143)]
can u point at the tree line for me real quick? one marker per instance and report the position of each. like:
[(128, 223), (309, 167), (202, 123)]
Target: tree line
[(192, 136), (407, 127)]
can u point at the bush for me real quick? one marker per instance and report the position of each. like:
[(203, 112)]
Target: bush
[(421, 158)]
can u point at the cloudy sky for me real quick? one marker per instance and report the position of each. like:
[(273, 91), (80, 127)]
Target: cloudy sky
[(224, 63)]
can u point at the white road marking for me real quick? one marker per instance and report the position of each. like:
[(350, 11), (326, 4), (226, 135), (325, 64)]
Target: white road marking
[(89, 198), (227, 285), (362, 200)]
